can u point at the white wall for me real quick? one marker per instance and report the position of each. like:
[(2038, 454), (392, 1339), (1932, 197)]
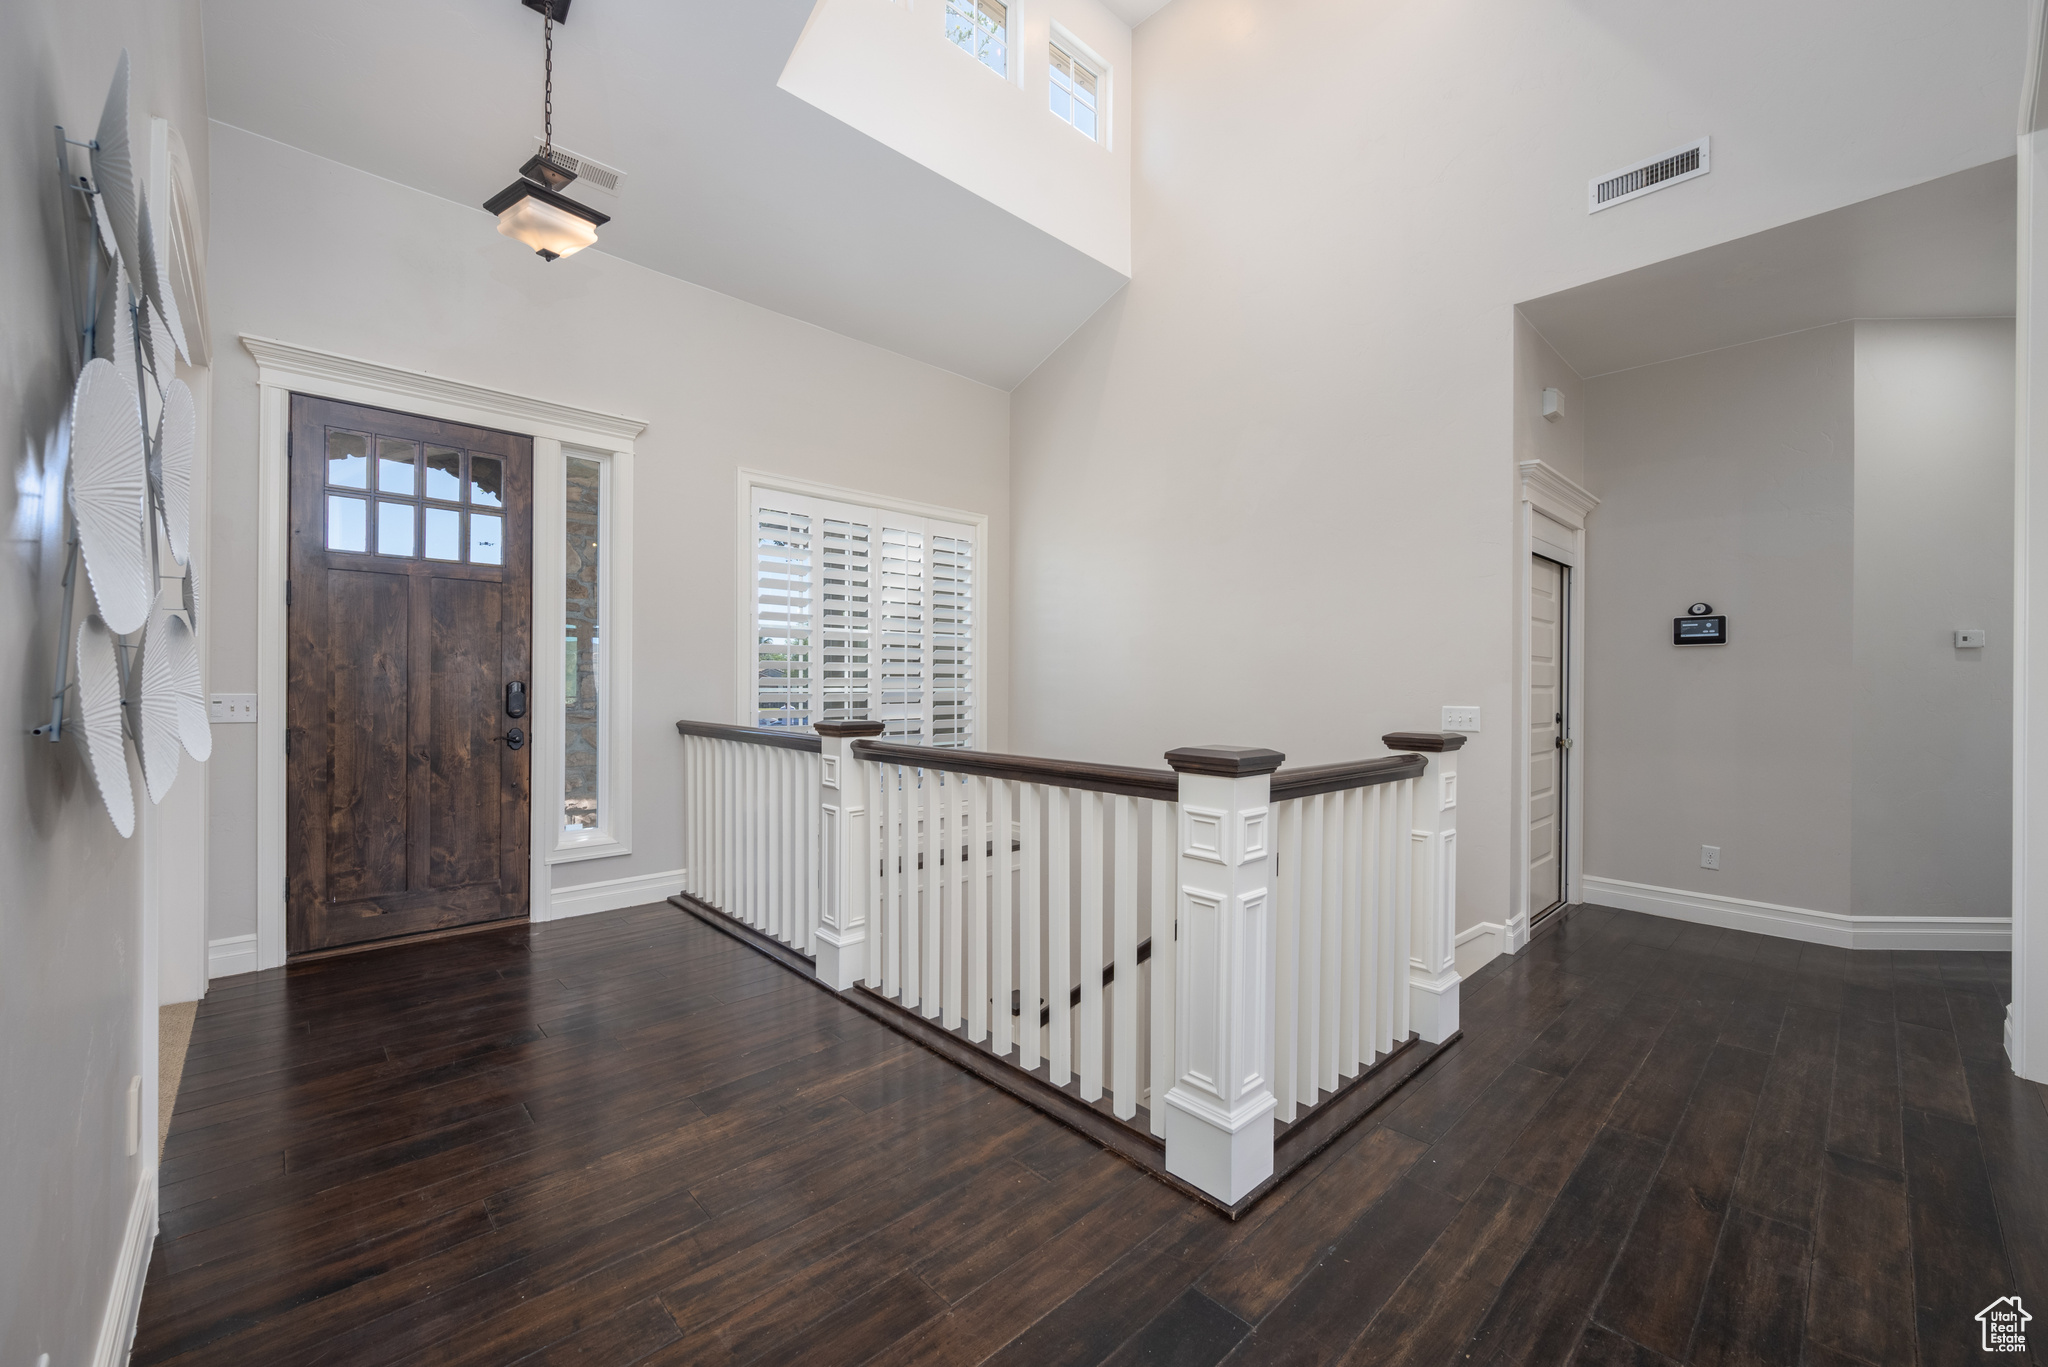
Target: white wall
[(889, 71), (1932, 816), (1844, 495), (1559, 442), (1729, 478), (1265, 495), (77, 988), (312, 252)]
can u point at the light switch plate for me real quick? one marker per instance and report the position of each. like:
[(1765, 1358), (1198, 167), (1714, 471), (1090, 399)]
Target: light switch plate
[(231, 707), (1461, 719), (1970, 638)]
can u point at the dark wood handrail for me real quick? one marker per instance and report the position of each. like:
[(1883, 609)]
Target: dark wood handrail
[(750, 735), (1334, 778), (1163, 784), (1074, 997), (1063, 773)]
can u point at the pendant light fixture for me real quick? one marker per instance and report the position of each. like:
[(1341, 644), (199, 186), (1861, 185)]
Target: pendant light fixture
[(532, 209)]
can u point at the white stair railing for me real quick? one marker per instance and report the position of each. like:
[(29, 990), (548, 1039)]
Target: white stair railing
[(1223, 945)]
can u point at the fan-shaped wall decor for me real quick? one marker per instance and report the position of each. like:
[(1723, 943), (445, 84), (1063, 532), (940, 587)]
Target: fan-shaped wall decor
[(113, 163), (99, 719), (174, 475), (158, 713), (155, 268), (191, 591), (109, 495), (181, 664), (106, 227)]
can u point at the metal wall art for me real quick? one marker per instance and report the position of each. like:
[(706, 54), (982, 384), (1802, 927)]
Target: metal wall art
[(127, 486)]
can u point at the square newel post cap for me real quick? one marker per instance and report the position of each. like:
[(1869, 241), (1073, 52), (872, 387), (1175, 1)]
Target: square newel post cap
[(1435, 742), (1224, 761), (849, 728)]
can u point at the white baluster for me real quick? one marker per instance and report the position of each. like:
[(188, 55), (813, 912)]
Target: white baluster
[(976, 868), (1001, 933), (1090, 1046), (1123, 1030), (1285, 1064), (1332, 966), (1309, 925), (1219, 1122), (893, 852), (1059, 933), (951, 869), (1030, 920), (1356, 984)]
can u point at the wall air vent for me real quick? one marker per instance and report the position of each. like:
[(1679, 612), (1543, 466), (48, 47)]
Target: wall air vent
[(589, 174), (1633, 182)]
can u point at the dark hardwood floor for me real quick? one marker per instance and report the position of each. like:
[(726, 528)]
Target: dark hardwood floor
[(630, 1139)]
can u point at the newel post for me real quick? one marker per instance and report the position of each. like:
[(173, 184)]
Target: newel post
[(842, 946), (1433, 942), (1219, 1112)]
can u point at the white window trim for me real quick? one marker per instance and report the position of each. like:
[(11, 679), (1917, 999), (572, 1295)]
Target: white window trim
[(745, 662), (283, 369), (1064, 39), (614, 836)]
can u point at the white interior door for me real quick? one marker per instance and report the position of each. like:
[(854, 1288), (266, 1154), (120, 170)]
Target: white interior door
[(1547, 677)]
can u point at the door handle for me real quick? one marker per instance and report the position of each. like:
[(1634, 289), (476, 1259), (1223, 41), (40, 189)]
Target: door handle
[(514, 739), (515, 699)]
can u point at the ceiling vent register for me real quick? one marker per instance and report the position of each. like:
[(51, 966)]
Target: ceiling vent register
[(1644, 177), (587, 171)]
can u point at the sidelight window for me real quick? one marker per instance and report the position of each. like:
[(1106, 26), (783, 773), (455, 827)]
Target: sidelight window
[(583, 662), (862, 613)]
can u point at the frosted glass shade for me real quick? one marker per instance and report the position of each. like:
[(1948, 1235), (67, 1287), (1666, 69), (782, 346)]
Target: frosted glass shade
[(548, 230)]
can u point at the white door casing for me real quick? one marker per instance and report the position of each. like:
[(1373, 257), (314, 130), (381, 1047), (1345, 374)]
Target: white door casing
[(283, 369), (1550, 521)]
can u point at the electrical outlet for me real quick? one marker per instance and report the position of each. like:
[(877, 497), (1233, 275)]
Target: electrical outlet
[(1461, 719), (1710, 856), (231, 707)]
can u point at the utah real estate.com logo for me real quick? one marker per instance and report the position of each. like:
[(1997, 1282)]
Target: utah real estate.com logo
[(2005, 1325)]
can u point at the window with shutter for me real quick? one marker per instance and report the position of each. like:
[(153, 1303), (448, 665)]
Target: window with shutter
[(862, 614)]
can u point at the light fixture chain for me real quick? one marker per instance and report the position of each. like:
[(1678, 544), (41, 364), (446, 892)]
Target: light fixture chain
[(548, 98)]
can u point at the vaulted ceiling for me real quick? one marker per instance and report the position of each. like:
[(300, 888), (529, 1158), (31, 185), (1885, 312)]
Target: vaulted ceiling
[(730, 182)]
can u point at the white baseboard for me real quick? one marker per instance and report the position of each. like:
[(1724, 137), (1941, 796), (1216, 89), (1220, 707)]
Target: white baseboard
[(124, 1297), (1478, 945), (611, 894), (229, 955), (1984, 933)]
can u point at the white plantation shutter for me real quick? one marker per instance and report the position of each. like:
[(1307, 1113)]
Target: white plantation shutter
[(862, 615)]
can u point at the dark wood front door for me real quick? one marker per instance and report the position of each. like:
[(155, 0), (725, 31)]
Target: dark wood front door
[(410, 645)]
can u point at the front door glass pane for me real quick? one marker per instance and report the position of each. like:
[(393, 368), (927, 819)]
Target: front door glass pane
[(348, 460), (486, 481), (444, 473), (444, 534), (394, 528), (486, 539), (347, 524)]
